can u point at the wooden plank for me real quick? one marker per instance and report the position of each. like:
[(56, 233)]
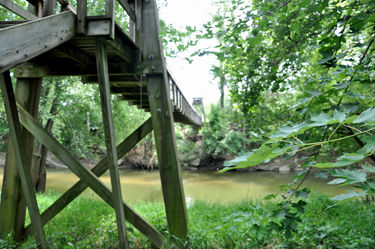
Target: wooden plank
[(18, 10), (75, 54), (87, 177), (66, 6), (26, 41), (126, 6), (99, 26), (109, 132), (7, 24), (48, 7), (123, 79), (13, 205), (32, 70), (81, 16), (123, 46), (163, 123), (21, 156), (110, 8), (129, 90)]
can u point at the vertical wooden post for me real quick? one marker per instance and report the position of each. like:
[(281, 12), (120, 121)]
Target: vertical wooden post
[(109, 131), (81, 16), (110, 8), (13, 205), (163, 124), (21, 156)]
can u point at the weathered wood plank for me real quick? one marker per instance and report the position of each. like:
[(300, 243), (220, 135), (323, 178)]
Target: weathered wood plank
[(75, 54), (66, 6), (163, 123), (31, 70), (48, 7), (123, 46), (126, 6), (18, 10), (13, 205), (26, 41), (99, 26), (87, 177), (109, 131), (7, 24), (124, 79), (129, 90), (81, 16), (110, 8), (21, 156)]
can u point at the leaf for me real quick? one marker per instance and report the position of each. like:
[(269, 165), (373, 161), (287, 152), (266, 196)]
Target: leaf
[(323, 175), (351, 195), (236, 160), (368, 169), (348, 159), (314, 93), (350, 176), (366, 116), (337, 181)]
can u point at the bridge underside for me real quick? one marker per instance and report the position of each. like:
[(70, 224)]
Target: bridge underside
[(97, 50), (74, 55)]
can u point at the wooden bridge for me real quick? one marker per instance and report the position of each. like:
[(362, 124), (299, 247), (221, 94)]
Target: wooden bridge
[(96, 48)]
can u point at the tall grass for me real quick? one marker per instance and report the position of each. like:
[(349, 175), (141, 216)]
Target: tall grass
[(88, 222)]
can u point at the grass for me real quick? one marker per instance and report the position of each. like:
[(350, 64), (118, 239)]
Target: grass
[(88, 222)]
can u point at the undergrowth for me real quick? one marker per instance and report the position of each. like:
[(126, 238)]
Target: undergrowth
[(88, 222)]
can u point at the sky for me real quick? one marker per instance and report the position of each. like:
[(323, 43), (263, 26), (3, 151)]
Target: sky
[(194, 78)]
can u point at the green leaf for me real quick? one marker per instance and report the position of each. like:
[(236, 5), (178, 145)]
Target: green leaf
[(350, 196), (367, 116), (369, 169), (350, 176)]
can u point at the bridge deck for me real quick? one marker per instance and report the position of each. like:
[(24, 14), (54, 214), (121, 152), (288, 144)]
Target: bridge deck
[(76, 57)]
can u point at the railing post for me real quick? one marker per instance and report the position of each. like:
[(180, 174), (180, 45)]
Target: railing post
[(110, 8), (81, 16)]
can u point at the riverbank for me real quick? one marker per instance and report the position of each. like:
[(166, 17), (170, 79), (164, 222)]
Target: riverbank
[(90, 223)]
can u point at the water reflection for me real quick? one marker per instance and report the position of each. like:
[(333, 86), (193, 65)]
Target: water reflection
[(213, 186)]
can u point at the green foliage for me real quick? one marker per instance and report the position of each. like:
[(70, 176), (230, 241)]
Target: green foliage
[(221, 136)]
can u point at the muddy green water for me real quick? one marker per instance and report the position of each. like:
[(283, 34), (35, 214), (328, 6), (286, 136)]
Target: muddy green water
[(212, 186)]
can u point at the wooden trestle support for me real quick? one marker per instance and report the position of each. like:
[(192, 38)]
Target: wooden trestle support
[(68, 44)]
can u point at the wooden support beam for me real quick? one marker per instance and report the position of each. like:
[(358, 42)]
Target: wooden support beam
[(26, 41), (66, 6), (18, 10), (110, 9), (75, 54), (99, 26), (123, 46), (6, 24), (129, 90), (109, 131), (126, 6), (21, 156), (13, 205), (163, 123), (86, 176), (132, 216), (32, 70), (118, 80), (81, 16), (48, 7), (121, 97)]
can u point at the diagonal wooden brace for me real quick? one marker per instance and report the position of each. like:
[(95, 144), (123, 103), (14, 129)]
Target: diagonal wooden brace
[(21, 156), (88, 177)]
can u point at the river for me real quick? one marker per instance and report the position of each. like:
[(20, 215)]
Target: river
[(213, 186)]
